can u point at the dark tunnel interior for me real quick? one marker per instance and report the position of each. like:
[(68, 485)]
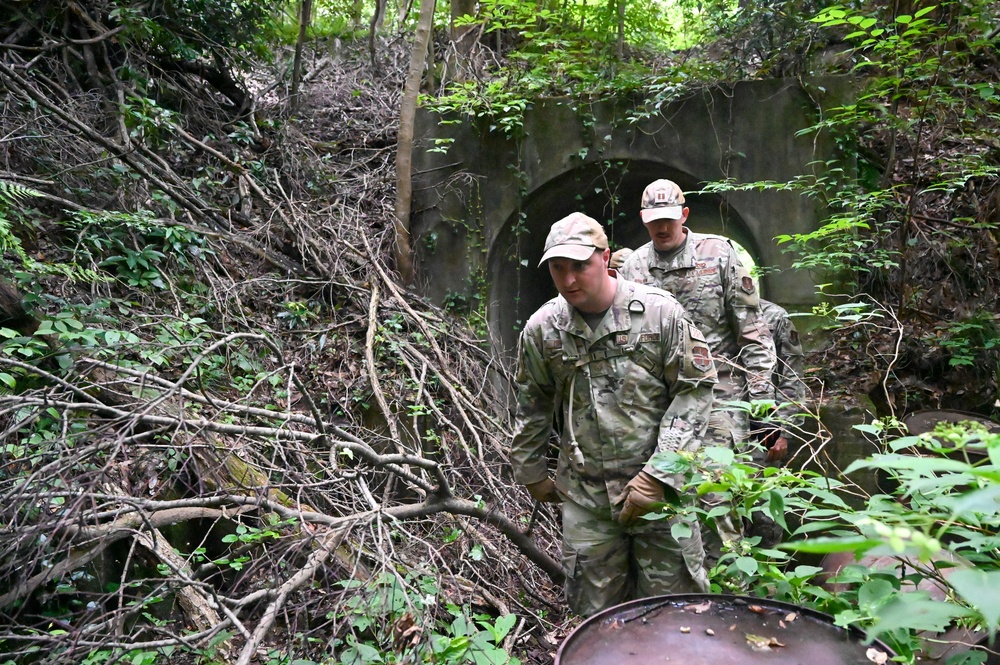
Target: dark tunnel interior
[(609, 192)]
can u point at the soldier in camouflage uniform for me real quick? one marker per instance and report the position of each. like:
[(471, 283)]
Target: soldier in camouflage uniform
[(629, 376), (790, 389), (703, 272)]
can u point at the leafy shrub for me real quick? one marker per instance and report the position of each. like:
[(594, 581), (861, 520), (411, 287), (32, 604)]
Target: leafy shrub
[(939, 522)]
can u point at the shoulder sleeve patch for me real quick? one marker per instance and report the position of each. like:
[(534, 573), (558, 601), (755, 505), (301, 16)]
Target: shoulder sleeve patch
[(701, 358), (698, 356), (747, 288)]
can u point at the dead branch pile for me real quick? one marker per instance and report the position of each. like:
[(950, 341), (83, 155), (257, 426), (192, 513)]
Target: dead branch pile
[(246, 440)]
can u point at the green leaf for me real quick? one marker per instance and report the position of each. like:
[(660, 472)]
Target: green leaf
[(981, 590), (874, 593), (927, 466), (828, 545), (680, 530), (369, 654), (847, 617), (904, 442), (914, 611), (985, 501), (502, 626), (806, 572), (817, 526), (719, 455), (776, 509), (747, 565)]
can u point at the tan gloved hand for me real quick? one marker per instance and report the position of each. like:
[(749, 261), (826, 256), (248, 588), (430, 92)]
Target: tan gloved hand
[(544, 491), (641, 495), (778, 450), (618, 258)]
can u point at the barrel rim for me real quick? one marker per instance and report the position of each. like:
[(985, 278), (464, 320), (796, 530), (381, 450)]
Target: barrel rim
[(667, 599)]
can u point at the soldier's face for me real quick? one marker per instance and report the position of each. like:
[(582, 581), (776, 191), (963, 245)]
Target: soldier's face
[(667, 234), (584, 284)]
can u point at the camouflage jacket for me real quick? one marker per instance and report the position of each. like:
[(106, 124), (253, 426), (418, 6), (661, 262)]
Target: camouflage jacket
[(721, 298), (639, 383), (788, 370)]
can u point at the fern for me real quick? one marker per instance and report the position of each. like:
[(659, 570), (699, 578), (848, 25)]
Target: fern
[(12, 193)]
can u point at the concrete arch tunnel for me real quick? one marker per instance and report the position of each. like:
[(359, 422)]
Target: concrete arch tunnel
[(483, 207), (585, 191)]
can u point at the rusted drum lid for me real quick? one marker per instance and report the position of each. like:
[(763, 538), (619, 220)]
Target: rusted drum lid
[(919, 422), (710, 629)]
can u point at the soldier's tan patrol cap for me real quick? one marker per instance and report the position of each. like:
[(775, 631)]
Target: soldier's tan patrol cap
[(574, 237), (662, 199)]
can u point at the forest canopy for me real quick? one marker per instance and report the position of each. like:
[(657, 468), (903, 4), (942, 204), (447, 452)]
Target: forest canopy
[(235, 432)]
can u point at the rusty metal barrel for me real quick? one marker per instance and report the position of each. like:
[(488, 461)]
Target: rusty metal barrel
[(715, 629), (919, 422)]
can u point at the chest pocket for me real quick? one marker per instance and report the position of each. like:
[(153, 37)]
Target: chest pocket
[(643, 371), (704, 298), (623, 366), (560, 362)]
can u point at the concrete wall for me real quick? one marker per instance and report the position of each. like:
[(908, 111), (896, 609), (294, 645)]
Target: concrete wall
[(482, 209)]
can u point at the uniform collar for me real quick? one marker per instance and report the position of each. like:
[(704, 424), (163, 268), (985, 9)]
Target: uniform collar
[(682, 257), (616, 319)]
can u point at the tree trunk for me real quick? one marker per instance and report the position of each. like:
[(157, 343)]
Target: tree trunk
[(404, 141), (305, 13), (620, 11), (373, 28), (463, 37)]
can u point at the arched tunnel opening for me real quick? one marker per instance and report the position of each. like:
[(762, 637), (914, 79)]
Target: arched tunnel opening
[(609, 192)]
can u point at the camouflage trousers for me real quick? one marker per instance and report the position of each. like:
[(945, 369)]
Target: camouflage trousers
[(726, 429), (607, 563), (729, 428)]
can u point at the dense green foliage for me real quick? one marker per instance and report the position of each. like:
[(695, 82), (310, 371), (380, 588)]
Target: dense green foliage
[(913, 556), (212, 345)]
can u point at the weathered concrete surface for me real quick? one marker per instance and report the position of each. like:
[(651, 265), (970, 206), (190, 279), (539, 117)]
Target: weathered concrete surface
[(482, 209)]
